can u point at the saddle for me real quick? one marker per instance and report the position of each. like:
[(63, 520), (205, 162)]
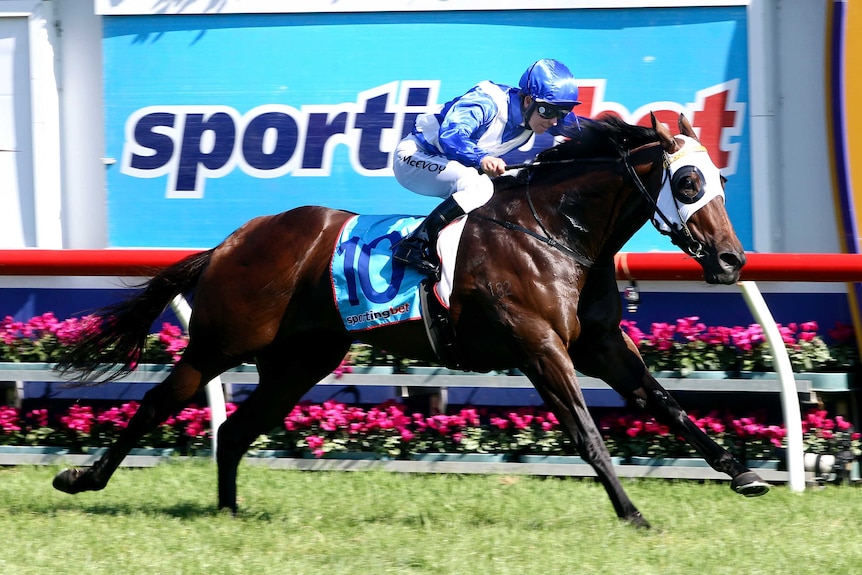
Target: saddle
[(372, 290)]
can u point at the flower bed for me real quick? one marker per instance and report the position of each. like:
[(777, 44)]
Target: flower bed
[(43, 338), (391, 430), (683, 346), (388, 429), (690, 345)]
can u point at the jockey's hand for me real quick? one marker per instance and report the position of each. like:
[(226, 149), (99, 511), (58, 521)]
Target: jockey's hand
[(492, 166)]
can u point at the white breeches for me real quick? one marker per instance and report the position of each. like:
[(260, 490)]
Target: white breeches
[(432, 175)]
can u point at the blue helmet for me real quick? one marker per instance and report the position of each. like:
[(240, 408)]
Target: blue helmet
[(551, 82)]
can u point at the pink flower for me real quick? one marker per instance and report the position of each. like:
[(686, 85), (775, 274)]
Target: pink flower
[(717, 336), (631, 329), (39, 417), (500, 423), (343, 367), (690, 328), (662, 336), (9, 422), (79, 418), (314, 441)]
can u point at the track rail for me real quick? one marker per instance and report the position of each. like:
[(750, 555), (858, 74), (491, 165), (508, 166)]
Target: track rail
[(655, 266)]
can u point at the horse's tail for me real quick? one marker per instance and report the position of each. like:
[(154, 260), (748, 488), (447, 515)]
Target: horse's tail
[(114, 346)]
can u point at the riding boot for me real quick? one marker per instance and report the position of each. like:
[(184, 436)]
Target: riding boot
[(418, 250)]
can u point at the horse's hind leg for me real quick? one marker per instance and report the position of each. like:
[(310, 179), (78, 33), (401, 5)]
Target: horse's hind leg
[(157, 404), (287, 371)]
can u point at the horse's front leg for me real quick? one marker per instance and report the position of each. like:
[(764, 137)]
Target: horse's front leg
[(655, 399), (617, 361), (552, 373)]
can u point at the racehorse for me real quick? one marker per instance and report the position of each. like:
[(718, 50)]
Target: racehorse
[(534, 288)]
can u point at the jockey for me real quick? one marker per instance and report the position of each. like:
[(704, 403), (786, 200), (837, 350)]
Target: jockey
[(452, 153)]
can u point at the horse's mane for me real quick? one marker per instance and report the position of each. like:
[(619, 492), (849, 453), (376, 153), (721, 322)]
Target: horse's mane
[(593, 139)]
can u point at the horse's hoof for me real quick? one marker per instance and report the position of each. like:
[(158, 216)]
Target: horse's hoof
[(637, 520), (750, 484), (66, 480)]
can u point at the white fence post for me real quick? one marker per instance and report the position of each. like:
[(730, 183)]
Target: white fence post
[(214, 390), (789, 400)]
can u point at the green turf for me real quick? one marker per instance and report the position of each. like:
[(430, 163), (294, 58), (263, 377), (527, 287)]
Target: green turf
[(163, 520)]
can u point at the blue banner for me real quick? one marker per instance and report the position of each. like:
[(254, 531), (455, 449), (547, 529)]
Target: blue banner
[(216, 119)]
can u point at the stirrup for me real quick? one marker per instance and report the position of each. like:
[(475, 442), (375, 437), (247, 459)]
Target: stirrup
[(414, 253)]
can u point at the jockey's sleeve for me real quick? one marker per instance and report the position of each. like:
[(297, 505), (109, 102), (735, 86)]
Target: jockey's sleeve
[(462, 126)]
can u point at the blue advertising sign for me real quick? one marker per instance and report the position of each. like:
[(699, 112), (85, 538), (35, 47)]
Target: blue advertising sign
[(216, 119)]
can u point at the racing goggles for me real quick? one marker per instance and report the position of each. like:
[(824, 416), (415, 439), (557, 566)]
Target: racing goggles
[(548, 111)]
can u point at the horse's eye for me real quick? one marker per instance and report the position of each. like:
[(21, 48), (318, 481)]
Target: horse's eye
[(687, 184)]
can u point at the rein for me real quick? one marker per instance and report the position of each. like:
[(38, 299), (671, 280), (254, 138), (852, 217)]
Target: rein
[(680, 235), (546, 239)]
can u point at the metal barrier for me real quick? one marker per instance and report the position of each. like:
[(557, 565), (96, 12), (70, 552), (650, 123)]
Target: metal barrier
[(431, 377)]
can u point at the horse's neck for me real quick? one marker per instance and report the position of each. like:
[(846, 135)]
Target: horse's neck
[(594, 213)]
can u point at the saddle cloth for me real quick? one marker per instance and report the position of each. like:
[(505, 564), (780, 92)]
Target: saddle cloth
[(369, 288)]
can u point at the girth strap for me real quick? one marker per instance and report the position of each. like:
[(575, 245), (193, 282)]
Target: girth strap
[(439, 328)]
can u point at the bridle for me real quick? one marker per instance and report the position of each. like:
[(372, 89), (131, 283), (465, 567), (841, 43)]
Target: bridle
[(679, 234)]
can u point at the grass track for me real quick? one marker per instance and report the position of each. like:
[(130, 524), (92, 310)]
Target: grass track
[(163, 520)]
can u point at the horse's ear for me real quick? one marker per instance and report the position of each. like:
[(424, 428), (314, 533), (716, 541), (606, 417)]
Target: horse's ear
[(664, 135), (685, 127)]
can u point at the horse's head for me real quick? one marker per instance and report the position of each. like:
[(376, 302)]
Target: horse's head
[(690, 206)]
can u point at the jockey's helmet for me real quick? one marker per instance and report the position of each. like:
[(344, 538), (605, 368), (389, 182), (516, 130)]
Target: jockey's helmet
[(550, 81)]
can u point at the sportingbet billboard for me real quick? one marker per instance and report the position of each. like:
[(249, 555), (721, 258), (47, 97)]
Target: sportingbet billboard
[(215, 119)]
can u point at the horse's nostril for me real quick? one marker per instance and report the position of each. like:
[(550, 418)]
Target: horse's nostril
[(732, 260)]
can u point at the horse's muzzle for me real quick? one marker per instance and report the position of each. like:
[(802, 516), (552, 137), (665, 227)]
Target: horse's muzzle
[(723, 267)]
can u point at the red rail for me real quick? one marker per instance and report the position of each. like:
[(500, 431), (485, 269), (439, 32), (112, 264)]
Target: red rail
[(663, 266), (759, 267), (107, 262)]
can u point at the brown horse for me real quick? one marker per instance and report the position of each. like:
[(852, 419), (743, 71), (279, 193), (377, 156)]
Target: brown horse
[(534, 289)]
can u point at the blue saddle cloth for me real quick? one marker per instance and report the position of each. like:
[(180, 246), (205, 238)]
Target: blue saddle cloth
[(370, 288)]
